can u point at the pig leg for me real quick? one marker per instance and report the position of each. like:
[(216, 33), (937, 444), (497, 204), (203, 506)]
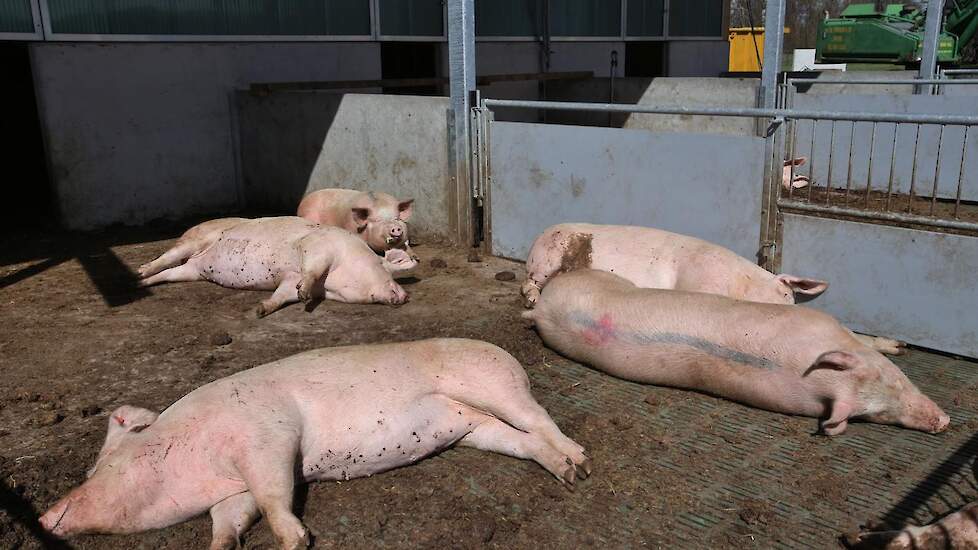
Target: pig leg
[(888, 346), (496, 436), (269, 473), (317, 259), (286, 293), (519, 409), (172, 257), (180, 274), (231, 518)]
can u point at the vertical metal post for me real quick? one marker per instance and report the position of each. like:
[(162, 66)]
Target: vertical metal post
[(932, 35), (768, 253), (461, 66), (773, 44)]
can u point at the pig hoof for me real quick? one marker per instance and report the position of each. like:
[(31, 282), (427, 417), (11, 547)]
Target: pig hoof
[(569, 476), (260, 311), (584, 468)]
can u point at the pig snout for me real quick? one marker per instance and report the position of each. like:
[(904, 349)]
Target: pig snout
[(396, 232), (54, 520), (917, 413)]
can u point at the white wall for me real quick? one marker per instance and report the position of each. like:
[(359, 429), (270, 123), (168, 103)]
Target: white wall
[(136, 132)]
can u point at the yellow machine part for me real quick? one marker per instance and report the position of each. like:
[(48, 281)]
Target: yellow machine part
[(743, 55)]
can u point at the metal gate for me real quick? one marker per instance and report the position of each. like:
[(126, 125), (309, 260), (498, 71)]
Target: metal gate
[(897, 236)]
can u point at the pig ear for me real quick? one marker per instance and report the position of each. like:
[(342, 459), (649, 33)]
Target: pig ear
[(838, 421), (804, 285), (796, 161), (405, 209), (834, 360), (360, 216)]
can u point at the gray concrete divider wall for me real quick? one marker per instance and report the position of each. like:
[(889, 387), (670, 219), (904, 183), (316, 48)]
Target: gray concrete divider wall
[(293, 143), (138, 131)]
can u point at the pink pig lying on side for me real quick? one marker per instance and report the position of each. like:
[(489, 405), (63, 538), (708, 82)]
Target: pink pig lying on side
[(238, 446), (957, 530), (652, 258), (378, 218), (788, 359), (294, 257)]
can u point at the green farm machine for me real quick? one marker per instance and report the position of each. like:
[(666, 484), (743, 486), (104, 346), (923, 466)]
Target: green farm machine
[(894, 33)]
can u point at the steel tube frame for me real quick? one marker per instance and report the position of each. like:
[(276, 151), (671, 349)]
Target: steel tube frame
[(932, 35), (877, 215), (461, 61), (746, 112), (964, 81)]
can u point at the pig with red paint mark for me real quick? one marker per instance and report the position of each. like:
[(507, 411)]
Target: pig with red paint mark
[(378, 218), (296, 258), (237, 447), (653, 258), (783, 358), (957, 530)]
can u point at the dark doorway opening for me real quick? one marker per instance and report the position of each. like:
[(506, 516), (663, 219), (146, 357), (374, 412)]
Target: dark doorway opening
[(645, 59), (26, 187), (410, 60)]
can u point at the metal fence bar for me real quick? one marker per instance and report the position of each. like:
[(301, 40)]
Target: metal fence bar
[(913, 170), (852, 137), (745, 112), (955, 82), (957, 198), (889, 184), (811, 161), (828, 179), (887, 216), (937, 172), (869, 176), (791, 158)]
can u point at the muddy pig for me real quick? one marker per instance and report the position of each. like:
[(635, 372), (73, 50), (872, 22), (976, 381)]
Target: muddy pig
[(238, 446), (296, 258), (783, 358), (653, 258), (378, 218), (958, 530)]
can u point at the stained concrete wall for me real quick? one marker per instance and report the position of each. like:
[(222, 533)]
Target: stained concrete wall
[(136, 132), (296, 142)]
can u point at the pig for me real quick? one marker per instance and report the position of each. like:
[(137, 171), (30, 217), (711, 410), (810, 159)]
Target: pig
[(296, 258), (796, 182), (957, 530), (378, 218), (653, 258), (782, 358), (237, 446), (199, 237)]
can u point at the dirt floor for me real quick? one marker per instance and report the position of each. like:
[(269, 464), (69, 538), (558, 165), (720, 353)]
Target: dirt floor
[(672, 468)]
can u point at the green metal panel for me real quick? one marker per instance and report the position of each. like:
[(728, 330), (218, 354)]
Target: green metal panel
[(696, 18), (645, 17), (211, 17), (15, 16), (875, 40), (585, 18), (411, 17), (509, 17)]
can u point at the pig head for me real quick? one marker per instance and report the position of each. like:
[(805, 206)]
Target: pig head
[(380, 220), (865, 385)]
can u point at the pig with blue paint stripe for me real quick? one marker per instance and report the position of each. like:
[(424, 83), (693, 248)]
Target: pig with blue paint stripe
[(782, 358)]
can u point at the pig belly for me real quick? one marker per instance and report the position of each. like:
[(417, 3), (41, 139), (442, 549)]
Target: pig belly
[(246, 264), (393, 435), (724, 372)]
